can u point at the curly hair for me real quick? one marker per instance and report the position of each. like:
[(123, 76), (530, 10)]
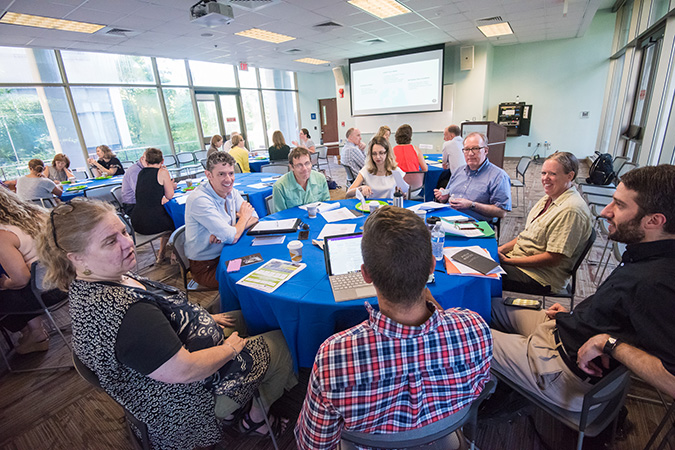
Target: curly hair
[(27, 216), (72, 228)]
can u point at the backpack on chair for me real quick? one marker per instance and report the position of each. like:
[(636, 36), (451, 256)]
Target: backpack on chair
[(601, 171)]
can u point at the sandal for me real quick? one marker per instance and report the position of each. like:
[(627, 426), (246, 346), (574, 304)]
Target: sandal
[(237, 415), (248, 426)]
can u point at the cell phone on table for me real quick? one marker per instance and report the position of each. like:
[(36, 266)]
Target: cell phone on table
[(303, 235), (523, 303)]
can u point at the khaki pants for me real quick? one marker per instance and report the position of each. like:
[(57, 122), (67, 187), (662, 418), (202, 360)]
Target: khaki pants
[(525, 351)]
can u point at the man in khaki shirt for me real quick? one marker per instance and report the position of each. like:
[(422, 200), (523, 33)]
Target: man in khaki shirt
[(539, 261)]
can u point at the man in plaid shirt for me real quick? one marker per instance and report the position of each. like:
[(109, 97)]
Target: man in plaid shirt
[(408, 365)]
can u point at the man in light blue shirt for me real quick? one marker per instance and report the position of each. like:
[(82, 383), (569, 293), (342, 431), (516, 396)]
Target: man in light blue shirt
[(215, 215), (479, 189), (301, 185)]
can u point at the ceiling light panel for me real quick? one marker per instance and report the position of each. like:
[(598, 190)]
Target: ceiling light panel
[(267, 36), (381, 8), (312, 61), (496, 29), (29, 20)]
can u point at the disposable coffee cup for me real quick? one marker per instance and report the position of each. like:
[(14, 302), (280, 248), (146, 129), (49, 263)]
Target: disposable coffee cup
[(422, 214), (373, 206), (295, 250), (311, 211), (189, 183)]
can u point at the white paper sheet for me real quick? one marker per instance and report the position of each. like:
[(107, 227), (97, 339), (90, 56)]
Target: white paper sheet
[(361, 198), (322, 206), (181, 199), (400, 182), (428, 206), (333, 229), (269, 179), (268, 240), (259, 185), (336, 215)]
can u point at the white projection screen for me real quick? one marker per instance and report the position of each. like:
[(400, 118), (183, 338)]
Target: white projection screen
[(403, 82)]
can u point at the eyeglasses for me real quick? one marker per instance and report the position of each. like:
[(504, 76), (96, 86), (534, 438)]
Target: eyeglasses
[(60, 210), (472, 150), (379, 153), (308, 164)]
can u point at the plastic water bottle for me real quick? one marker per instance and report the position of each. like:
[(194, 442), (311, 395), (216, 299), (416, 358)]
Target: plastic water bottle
[(437, 241)]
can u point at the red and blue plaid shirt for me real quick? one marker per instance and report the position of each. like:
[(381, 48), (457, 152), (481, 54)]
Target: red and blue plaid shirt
[(384, 377)]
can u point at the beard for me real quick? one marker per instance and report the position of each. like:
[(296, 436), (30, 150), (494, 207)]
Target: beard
[(628, 232)]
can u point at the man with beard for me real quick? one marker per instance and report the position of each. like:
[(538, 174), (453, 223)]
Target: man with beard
[(558, 355)]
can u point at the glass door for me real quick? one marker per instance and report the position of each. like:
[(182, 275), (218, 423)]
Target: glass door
[(219, 113)]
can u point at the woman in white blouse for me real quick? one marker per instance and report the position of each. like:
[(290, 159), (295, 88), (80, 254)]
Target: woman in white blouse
[(376, 179)]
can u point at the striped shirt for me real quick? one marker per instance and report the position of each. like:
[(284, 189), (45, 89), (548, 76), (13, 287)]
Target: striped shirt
[(384, 377)]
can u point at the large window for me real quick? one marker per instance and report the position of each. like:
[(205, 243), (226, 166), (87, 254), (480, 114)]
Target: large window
[(212, 74), (128, 120), (182, 120), (172, 71), (99, 68), (280, 113), (24, 65), (253, 118), (35, 122)]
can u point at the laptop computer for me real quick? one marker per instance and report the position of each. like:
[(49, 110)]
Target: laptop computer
[(343, 265)]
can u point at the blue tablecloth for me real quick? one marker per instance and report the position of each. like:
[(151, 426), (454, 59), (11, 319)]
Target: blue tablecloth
[(89, 183), (304, 307), (243, 183), (433, 175), (256, 164)]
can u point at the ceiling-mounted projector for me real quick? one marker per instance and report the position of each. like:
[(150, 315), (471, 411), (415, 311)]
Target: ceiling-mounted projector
[(210, 13)]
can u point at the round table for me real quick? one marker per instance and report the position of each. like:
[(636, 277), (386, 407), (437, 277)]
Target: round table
[(304, 308), (89, 183)]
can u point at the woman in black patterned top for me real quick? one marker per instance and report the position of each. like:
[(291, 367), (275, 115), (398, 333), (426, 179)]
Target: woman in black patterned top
[(164, 359), (107, 163)]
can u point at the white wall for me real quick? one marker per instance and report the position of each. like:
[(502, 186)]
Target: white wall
[(311, 88), (560, 79)]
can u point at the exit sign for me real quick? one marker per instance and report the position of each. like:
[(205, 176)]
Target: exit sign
[(243, 66)]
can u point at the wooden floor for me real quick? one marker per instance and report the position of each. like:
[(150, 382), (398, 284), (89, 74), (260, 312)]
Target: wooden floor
[(58, 410)]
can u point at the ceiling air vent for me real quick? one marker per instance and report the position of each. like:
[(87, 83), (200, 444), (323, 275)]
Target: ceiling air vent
[(373, 41), (118, 32), (253, 5), (328, 25), (489, 20), (292, 51)]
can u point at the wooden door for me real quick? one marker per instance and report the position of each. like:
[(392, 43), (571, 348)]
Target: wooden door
[(329, 124)]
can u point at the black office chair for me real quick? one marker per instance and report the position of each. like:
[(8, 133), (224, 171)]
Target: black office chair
[(600, 407), (436, 435)]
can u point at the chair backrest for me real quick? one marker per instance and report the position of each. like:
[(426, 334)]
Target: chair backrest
[(275, 168), (127, 223), (625, 168), (269, 204), (237, 168), (582, 256), (420, 436), (201, 154), (48, 203), (185, 158), (416, 182), (350, 175), (127, 164), (203, 161), (314, 158), (116, 192), (523, 164), (90, 377), (101, 193), (322, 151), (80, 174), (169, 160), (618, 163), (177, 239), (245, 197)]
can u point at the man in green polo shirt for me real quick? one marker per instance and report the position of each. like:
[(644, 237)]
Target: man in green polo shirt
[(301, 185)]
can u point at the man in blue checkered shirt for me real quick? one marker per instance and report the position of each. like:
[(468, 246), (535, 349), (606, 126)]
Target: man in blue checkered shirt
[(409, 364)]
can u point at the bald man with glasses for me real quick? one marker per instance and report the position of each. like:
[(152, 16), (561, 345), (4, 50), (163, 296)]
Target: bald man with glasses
[(479, 189)]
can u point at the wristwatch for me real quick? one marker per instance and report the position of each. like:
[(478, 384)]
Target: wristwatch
[(610, 345), (473, 205)]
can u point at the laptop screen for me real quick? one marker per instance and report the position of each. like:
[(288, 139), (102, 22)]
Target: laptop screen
[(344, 254)]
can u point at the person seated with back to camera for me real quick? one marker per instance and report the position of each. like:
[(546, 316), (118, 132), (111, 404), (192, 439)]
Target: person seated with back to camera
[(107, 163), (301, 185), (408, 157), (411, 363), (557, 354), (279, 151), (376, 179), (129, 182), (35, 185), (165, 360), (540, 260), (59, 169), (215, 215), (154, 187), (479, 189)]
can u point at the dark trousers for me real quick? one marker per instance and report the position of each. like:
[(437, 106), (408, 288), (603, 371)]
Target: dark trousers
[(13, 301), (204, 272), (518, 281)]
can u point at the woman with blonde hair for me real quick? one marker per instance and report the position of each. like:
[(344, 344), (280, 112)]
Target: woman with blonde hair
[(107, 163), (166, 360), (279, 151), (216, 143), (59, 169), (35, 185), (239, 153), (376, 179), (20, 223), (384, 132)]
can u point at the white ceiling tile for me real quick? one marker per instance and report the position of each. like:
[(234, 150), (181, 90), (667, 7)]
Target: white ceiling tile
[(10, 40), (85, 15), (121, 6), (41, 9)]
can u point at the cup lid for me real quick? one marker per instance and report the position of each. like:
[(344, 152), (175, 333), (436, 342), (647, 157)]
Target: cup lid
[(294, 244)]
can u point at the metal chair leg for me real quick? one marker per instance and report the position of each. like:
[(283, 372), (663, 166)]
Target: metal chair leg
[(267, 420)]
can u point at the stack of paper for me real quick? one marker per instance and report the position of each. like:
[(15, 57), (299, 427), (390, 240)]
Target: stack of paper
[(336, 230), (454, 267), (459, 227), (428, 206), (338, 214)]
